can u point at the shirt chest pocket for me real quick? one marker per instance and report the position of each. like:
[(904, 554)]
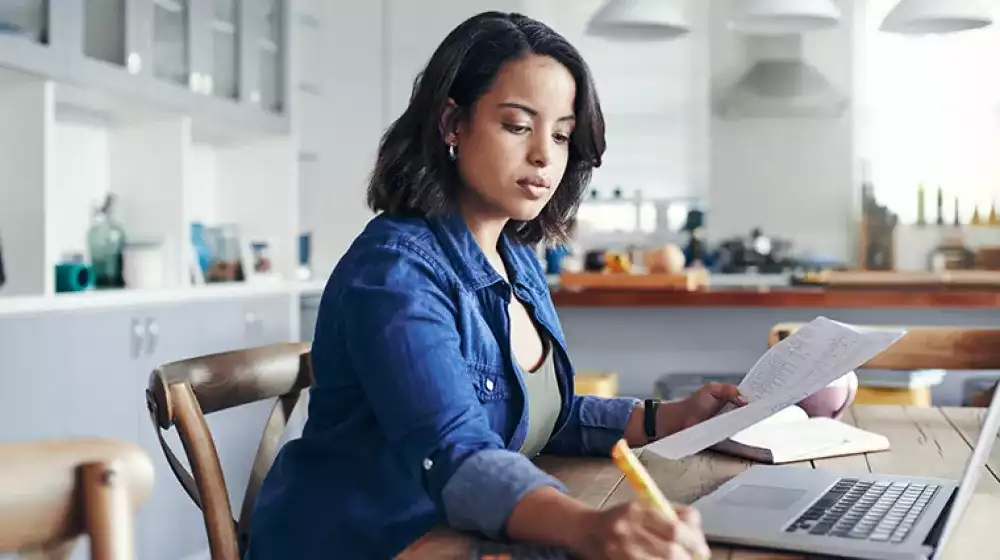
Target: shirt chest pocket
[(488, 382), (494, 394)]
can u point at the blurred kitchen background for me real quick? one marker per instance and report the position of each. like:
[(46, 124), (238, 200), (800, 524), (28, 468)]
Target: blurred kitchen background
[(179, 177)]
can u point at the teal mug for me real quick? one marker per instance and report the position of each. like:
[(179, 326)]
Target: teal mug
[(73, 277)]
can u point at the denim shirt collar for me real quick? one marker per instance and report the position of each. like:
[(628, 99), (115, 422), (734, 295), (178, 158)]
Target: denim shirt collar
[(468, 259)]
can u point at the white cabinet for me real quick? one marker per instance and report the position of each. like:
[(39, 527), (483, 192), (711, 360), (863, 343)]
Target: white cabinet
[(84, 374), (170, 53), (26, 29), (58, 383)]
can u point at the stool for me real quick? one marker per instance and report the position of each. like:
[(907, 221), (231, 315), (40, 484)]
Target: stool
[(911, 396), (597, 383), (909, 388)]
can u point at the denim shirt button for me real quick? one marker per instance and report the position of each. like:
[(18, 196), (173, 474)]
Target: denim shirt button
[(428, 464), (489, 384)]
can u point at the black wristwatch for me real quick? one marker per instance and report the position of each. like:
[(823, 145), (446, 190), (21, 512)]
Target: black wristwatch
[(649, 417)]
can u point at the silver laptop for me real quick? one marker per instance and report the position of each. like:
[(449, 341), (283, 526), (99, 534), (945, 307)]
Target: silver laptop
[(829, 512)]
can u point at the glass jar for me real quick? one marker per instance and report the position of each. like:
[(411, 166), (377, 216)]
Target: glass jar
[(106, 241)]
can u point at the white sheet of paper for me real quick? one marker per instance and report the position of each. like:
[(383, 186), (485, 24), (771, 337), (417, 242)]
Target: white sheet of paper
[(805, 362)]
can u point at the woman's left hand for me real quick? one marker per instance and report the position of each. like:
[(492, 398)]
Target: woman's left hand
[(705, 403)]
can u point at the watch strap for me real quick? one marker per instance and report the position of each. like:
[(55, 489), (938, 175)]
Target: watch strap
[(649, 417)]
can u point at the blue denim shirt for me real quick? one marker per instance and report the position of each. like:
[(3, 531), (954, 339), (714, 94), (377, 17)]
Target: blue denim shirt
[(417, 411)]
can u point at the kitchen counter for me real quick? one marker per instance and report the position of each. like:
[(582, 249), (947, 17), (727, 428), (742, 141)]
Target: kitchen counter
[(781, 297), (644, 335)]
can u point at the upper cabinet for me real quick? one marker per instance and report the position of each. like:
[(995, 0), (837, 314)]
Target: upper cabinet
[(28, 19), (269, 22), (178, 41), (221, 61), (227, 33), (26, 36)]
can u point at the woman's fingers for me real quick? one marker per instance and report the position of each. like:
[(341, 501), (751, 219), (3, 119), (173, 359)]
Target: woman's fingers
[(687, 535), (689, 515), (725, 392)]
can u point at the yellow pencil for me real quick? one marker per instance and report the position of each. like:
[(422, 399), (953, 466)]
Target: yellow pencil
[(642, 482), (640, 479)]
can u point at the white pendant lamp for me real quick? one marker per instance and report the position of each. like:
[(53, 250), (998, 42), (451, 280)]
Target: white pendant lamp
[(782, 17), (640, 20), (924, 17)]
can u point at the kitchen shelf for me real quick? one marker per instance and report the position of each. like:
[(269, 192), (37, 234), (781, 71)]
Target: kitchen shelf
[(64, 148)]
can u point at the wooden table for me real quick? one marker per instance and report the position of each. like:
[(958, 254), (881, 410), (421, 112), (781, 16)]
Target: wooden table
[(932, 442)]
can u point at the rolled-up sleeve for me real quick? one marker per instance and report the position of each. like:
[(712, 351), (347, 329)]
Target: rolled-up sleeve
[(594, 425), (403, 340)]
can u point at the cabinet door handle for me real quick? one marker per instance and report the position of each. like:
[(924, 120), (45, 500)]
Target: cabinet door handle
[(153, 330), (137, 337), (195, 82), (134, 63)]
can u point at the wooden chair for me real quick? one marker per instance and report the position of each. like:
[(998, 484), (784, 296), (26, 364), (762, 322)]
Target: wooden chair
[(54, 491), (947, 348), (181, 394)]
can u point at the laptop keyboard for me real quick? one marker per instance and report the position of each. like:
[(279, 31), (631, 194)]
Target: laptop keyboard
[(876, 511)]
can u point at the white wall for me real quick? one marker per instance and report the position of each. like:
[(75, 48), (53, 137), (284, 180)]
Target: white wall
[(793, 178), (26, 113), (81, 177), (347, 123), (655, 101), (411, 32)]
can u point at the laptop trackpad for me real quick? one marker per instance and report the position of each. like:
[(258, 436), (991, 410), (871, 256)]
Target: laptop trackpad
[(762, 497)]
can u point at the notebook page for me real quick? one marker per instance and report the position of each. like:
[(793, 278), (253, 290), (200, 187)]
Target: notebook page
[(804, 438), (802, 364)]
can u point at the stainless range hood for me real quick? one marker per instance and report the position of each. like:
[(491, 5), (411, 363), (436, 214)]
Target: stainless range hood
[(780, 84)]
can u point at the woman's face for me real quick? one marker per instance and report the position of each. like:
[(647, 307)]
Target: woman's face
[(513, 150)]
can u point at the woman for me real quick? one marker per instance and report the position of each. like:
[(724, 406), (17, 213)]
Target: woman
[(439, 361)]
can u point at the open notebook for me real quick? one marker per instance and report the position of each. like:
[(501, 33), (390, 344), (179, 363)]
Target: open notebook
[(790, 435)]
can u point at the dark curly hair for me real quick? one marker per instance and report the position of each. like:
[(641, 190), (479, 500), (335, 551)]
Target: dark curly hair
[(413, 174)]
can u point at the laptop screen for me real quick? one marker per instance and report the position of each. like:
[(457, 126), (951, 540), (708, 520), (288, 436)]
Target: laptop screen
[(973, 471)]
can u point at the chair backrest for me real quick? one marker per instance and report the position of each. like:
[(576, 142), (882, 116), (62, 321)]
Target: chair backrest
[(54, 491), (181, 394), (927, 348)]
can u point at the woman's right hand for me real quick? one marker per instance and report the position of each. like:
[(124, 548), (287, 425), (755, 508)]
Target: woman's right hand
[(634, 531)]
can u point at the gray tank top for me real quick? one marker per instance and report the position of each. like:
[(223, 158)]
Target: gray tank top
[(544, 403)]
